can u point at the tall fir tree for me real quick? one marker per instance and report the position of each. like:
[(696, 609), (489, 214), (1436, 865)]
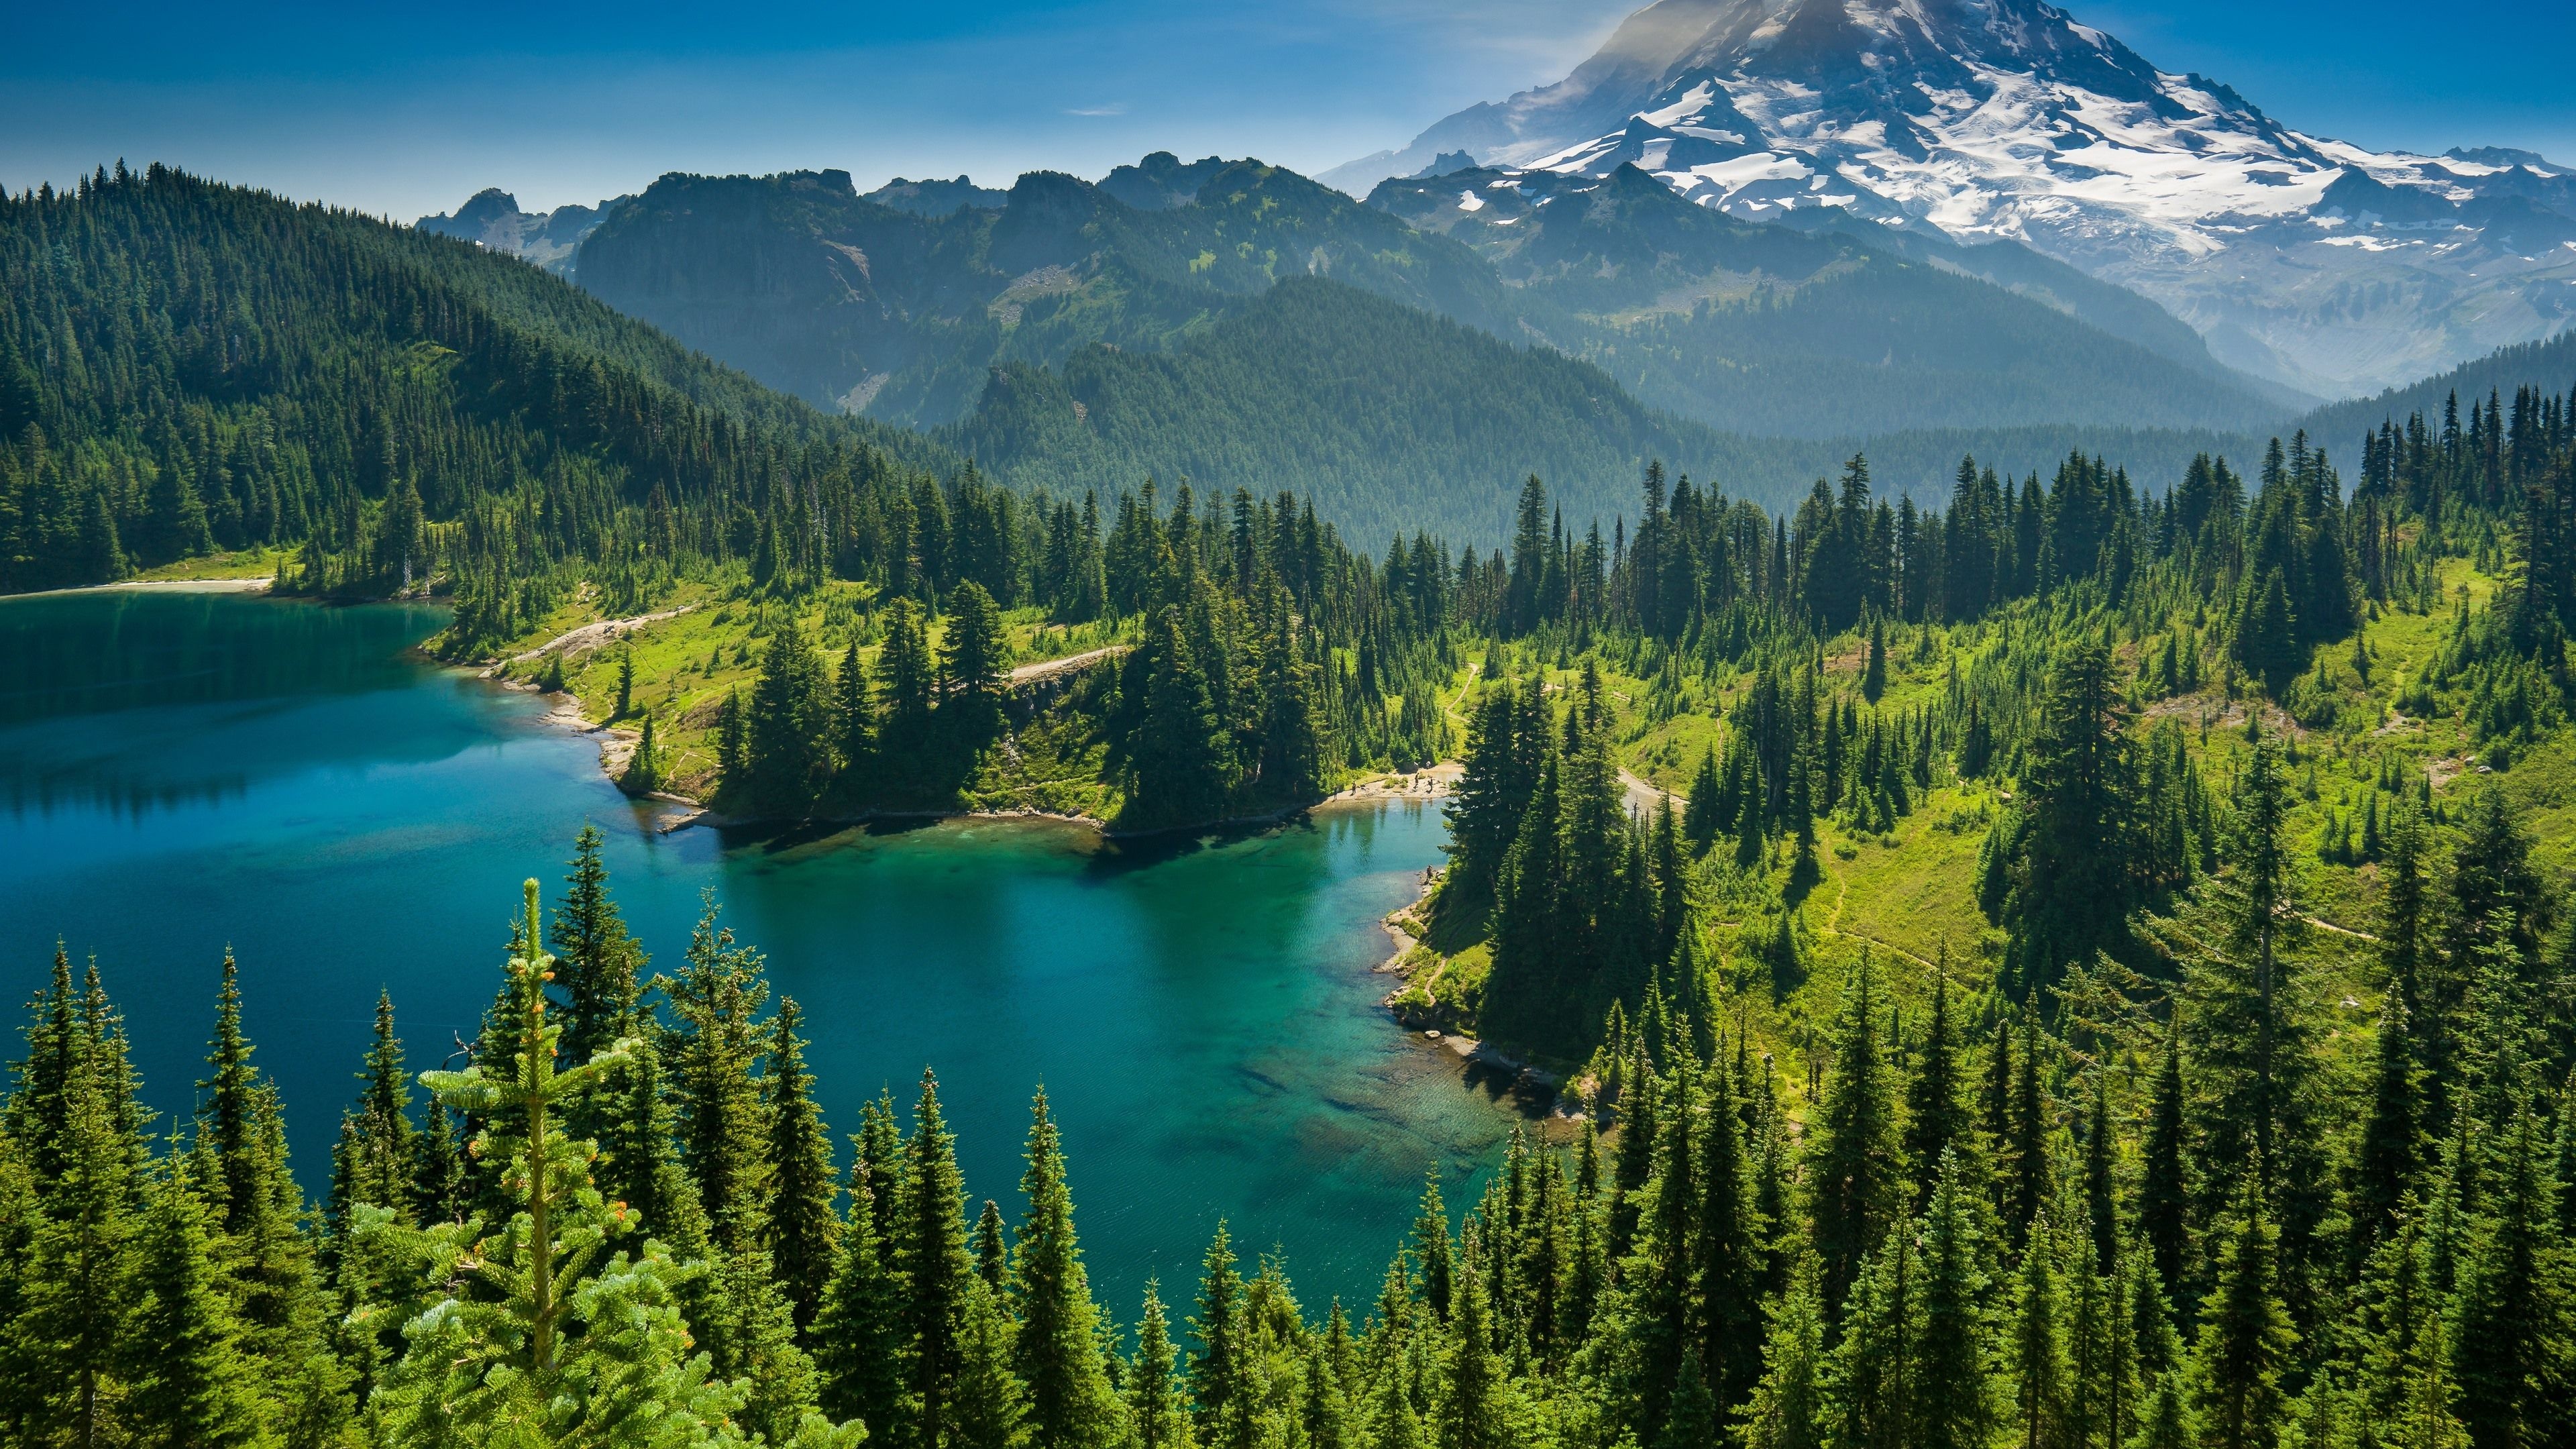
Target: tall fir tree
[(931, 1260), (1071, 1403), (801, 1229), (1854, 1169), (1157, 1415)]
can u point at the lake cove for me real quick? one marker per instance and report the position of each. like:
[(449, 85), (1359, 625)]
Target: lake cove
[(186, 771)]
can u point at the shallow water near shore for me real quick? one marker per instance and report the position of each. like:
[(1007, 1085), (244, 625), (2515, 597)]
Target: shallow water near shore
[(183, 771)]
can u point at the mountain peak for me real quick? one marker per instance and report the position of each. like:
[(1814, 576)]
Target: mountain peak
[(2316, 264)]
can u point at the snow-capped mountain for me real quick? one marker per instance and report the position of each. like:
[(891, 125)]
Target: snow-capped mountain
[(2312, 262), (491, 219)]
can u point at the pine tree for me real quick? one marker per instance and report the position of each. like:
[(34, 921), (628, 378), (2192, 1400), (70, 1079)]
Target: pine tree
[(2101, 1201), (1431, 1246), (228, 1113), (2246, 1015), (992, 1254), (1398, 1424), (1157, 1417), (859, 1345), (438, 1167), (601, 963), (1953, 1386), (2245, 1338), (2028, 1174), (1728, 1268), (1323, 1409), (733, 747), (1936, 1119), (644, 768), (974, 655), (1869, 1380), (991, 1407), (709, 1055), (1788, 1409), (903, 665), (2511, 1317), (1180, 757), (2071, 883), (2163, 1198), (802, 1230), (1071, 1404), (1853, 1170), (1701, 821), (636, 1126), (789, 727), (1693, 1422), (751, 1340), (72, 1329), (930, 1257), (1220, 1377), (38, 1108), (1873, 680), (2386, 1160), (2041, 1387), (1474, 1405), (379, 1144), (854, 722), (192, 1384)]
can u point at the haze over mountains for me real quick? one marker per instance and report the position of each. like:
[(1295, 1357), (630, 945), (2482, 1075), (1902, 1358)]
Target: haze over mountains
[(2308, 261)]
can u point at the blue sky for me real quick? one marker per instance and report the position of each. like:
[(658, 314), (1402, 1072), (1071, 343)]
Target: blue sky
[(407, 109)]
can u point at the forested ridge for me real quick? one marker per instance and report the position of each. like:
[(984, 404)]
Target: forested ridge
[(186, 367)]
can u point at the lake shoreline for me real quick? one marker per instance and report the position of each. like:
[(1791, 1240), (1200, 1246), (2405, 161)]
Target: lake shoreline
[(160, 586), (1432, 782)]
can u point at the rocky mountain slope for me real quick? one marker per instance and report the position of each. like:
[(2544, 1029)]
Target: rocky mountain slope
[(2319, 265), (492, 220)]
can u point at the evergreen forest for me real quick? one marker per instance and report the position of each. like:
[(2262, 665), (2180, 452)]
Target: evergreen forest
[(2087, 964)]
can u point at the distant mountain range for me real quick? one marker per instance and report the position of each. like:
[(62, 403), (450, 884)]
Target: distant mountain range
[(1701, 333), (2315, 264)]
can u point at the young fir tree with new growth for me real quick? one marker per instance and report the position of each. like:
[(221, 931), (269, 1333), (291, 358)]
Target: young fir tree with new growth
[(566, 1341)]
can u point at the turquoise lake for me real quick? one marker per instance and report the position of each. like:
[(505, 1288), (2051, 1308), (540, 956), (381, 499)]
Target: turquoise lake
[(183, 771)]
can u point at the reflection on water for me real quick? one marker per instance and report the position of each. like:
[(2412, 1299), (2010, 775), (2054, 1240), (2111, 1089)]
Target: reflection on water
[(276, 778), (195, 685)]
